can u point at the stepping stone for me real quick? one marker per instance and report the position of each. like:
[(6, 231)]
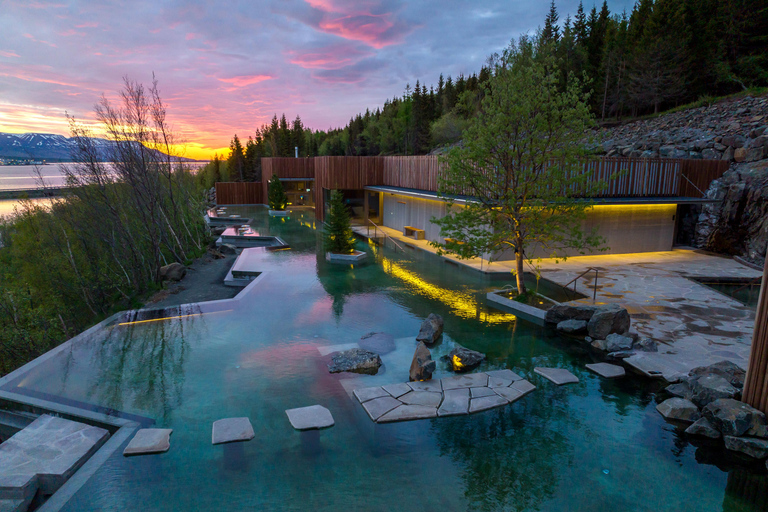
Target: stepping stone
[(455, 402), (149, 440), (365, 394), (486, 402), (559, 376), (407, 413), (509, 394), (426, 398), (397, 390), (308, 418), (502, 378), (378, 407), (471, 380), (478, 392), (230, 430), (426, 385), (523, 386), (609, 371)]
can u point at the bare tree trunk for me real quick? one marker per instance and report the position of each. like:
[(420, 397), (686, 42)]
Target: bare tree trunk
[(519, 270)]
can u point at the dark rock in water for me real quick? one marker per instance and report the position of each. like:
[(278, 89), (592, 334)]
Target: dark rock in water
[(617, 342), (709, 388), (422, 365), (608, 320), (756, 448), (702, 427), (431, 329), (679, 409), (572, 326), (621, 354), (733, 418), (598, 344), (379, 342), (173, 272), (227, 249), (563, 312), (463, 360), (731, 372), (646, 345), (680, 390), (355, 360)]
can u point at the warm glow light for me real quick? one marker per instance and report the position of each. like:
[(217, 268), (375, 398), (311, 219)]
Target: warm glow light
[(172, 318), (457, 364)]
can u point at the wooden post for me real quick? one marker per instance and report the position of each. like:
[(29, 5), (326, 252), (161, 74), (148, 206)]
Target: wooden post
[(756, 384)]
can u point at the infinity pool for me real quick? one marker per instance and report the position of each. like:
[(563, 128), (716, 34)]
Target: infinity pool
[(596, 445)]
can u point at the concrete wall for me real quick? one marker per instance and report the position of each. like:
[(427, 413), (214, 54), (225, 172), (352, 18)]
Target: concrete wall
[(626, 228)]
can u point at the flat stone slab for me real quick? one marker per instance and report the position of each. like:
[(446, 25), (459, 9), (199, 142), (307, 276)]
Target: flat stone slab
[(559, 376), (365, 394), (478, 392), (378, 407), (407, 413), (609, 371), (426, 385), (426, 398), (523, 386), (497, 378), (308, 418), (230, 430), (397, 390), (486, 402), (49, 449), (149, 440), (509, 394), (470, 380), (455, 402)]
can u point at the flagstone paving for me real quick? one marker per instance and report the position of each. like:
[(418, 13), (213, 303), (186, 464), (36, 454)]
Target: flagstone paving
[(559, 376), (607, 370), (309, 418), (451, 396), (230, 430)]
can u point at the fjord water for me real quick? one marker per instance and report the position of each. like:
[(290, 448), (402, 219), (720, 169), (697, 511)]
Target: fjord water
[(595, 445)]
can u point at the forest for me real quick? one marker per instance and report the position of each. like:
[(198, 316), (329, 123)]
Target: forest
[(662, 54)]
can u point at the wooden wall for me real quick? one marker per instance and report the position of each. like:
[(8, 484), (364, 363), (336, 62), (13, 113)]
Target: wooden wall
[(238, 193), (285, 168), (756, 384)]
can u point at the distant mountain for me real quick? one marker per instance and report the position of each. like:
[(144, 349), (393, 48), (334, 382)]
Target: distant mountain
[(49, 147)]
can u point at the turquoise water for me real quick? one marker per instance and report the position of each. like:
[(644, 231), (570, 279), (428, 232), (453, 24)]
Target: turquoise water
[(595, 445)]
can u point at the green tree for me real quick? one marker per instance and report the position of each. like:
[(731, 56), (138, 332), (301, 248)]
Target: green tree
[(276, 194), (337, 234), (236, 160), (520, 163)]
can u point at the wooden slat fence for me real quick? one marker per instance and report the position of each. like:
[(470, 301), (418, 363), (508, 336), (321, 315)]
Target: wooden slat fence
[(238, 193)]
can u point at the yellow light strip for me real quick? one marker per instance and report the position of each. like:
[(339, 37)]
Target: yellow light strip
[(172, 317)]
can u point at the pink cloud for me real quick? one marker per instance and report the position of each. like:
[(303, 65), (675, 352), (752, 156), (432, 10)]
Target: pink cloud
[(8, 54), (87, 24), (368, 22), (329, 58), (246, 80), (32, 75)]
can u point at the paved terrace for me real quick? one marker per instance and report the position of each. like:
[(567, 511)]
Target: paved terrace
[(693, 324)]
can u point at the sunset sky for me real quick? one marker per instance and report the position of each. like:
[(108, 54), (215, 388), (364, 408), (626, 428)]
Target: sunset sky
[(227, 67)]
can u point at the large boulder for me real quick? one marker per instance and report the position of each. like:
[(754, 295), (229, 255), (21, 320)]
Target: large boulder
[(756, 448), (422, 365), (617, 342), (680, 390), (173, 272), (734, 418), (679, 409), (463, 360), (731, 372), (563, 312), (431, 329), (227, 249), (702, 427), (709, 388), (355, 360), (379, 342), (607, 320), (572, 326)]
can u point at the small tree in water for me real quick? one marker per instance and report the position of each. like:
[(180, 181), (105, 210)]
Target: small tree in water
[(276, 194), (337, 235), (520, 163)]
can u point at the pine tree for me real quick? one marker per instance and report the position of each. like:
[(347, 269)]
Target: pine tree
[(551, 32), (236, 160), (337, 234), (276, 194)]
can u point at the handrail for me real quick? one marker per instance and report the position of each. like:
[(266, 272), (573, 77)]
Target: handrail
[(594, 288), (750, 283), (376, 231)]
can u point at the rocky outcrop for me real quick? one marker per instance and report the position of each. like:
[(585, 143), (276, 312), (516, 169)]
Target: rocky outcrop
[(734, 418), (173, 272), (702, 427), (431, 329), (601, 320), (617, 342), (754, 447), (709, 388), (572, 326), (355, 360), (463, 359), (422, 365), (679, 409)]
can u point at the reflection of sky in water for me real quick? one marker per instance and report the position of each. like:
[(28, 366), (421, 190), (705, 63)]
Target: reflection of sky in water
[(587, 446)]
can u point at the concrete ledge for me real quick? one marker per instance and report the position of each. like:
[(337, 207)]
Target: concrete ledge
[(279, 213), (355, 257), (521, 310)]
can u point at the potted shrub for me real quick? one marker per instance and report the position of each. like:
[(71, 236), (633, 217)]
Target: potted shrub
[(276, 197), (338, 240)]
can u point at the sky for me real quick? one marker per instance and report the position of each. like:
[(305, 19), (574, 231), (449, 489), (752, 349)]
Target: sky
[(228, 67)]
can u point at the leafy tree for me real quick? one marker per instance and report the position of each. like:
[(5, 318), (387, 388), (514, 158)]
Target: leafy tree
[(337, 236), (520, 163), (276, 196)]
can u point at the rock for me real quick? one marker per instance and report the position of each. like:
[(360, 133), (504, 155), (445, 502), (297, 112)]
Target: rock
[(463, 360), (148, 441), (422, 365), (728, 154), (733, 418), (599, 344), (679, 409), (562, 312), (606, 370), (617, 342), (646, 345), (379, 342), (227, 249), (709, 388), (230, 430), (735, 141), (572, 326), (702, 427), (559, 376), (755, 448), (710, 154), (739, 155), (754, 154), (607, 320), (355, 360), (731, 372), (431, 329), (173, 272), (621, 354), (680, 390), (308, 418)]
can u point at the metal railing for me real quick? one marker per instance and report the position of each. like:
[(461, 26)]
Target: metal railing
[(594, 287), (376, 232)]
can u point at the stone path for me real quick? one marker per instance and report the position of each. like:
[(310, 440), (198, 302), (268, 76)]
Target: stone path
[(606, 370), (149, 440), (559, 376), (451, 396), (308, 418), (230, 430)]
